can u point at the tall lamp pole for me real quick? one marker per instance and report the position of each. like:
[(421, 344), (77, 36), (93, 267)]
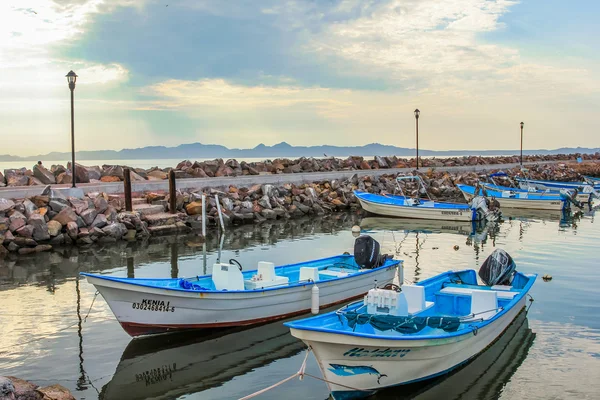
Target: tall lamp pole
[(522, 143), (417, 113), (71, 79)]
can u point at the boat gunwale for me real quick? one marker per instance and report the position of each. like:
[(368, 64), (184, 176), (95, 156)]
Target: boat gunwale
[(465, 331), (136, 281)]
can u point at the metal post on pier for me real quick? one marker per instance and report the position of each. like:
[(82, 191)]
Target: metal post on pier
[(172, 193), (219, 212), (417, 113), (522, 143), (204, 216), (127, 186)]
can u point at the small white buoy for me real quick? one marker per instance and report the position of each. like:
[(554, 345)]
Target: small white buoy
[(356, 229), (314, 300)]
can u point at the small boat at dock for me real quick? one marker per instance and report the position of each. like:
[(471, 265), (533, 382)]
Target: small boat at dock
[(585, 186), (583, 194), (234, 297), (522, 199), (408, 207), (401, 335)]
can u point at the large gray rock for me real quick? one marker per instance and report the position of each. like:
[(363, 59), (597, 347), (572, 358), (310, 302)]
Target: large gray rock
[(116, 230), (6, 204), (44, 176), (99, 222), (7, 389), (78, 205), (40, 228), (94, 172), (81, 173), (88, 216), (57, 205), (100, 204), (30, 208)]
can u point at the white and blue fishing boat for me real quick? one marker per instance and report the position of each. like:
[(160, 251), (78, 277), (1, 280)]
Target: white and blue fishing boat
[(584, 186), (408, 207), (523, 199), (583, 194), (234, 297), (397, 336)]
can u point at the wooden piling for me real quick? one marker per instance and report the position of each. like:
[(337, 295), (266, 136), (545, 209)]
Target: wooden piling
[(172, 193), (127, 184)]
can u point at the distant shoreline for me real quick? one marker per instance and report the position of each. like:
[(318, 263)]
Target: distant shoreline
[(199, 151)]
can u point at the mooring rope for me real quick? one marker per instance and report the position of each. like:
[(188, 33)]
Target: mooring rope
[(301, 373)]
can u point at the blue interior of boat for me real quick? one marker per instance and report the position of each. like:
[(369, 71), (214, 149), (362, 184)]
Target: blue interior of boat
[(513, 193), (394, 200), (450, 294), (329, 269), (559, 184)]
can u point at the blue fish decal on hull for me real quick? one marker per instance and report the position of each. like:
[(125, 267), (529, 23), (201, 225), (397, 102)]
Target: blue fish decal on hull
[(351, 370)]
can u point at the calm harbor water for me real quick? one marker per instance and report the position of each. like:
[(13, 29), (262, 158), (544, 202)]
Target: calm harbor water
[(52, 333)]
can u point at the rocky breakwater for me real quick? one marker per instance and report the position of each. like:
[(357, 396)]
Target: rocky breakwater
[(58, 174), (41, 222), (12, 388)]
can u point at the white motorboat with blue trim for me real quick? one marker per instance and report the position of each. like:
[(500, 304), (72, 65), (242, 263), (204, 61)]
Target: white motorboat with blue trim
[(232, 297), (583, 194), (397, 336), (408, 207), (523, 199)]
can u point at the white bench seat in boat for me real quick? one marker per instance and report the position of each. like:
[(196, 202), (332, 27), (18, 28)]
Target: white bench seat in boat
[(265, 277), (337, 274), (227, 277), (309, 274), (502, 294), (415, 297)]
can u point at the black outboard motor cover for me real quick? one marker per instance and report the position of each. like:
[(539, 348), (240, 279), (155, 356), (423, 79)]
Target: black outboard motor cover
[(366, 252), (497, 269)]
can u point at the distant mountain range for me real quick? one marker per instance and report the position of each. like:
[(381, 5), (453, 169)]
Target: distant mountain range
[(198, 150)]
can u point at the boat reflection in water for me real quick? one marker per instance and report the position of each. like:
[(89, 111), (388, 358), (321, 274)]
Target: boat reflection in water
[(422, 225), (482, 378), (169, 366)]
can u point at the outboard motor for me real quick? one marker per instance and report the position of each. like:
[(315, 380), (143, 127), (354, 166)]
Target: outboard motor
[(485, 209), (497, 269), (570, 197), (366, 252)]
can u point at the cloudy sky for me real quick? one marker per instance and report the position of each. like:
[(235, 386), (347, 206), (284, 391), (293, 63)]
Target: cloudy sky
[(244, 72)]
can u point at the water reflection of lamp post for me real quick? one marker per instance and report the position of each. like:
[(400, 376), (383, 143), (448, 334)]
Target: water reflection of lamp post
[(71, 79), (522, 142), (417, 113)]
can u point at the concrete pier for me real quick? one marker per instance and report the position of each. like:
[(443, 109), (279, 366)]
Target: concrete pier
[(242, 181)]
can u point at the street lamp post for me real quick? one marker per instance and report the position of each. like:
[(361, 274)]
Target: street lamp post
[(522, 143), (71, 79), (417, 113)]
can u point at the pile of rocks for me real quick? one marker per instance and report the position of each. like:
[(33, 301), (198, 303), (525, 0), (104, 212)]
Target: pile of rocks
[(39, 175), (40, 222), (12, 388)]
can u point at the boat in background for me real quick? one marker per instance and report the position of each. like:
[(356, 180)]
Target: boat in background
[(419, 332), (583, 195), (522, 199), (408, 207), (584, 186), (232, 297)]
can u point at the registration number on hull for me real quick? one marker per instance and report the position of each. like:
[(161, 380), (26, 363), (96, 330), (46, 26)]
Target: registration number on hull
[(153, 305)]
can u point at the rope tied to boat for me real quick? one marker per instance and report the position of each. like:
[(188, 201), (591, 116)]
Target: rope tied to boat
[(91, 305), (301, 373)]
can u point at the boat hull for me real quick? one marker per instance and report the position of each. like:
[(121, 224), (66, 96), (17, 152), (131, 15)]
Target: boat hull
[(147, 310), (462, 215), (357, 366), (526, 204)]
